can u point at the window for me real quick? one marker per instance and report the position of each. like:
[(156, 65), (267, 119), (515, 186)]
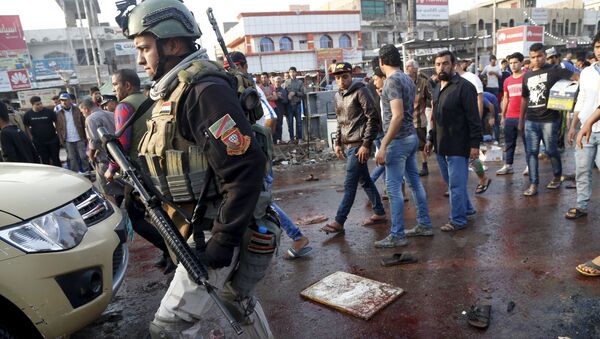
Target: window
[(372, 9), (266, 45), (511, 23), (345, 41), (481, 25), (325, 42), (286, 44), (427, 35), (567, 27)]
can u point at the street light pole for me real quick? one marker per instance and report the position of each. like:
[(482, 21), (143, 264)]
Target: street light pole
[(494, 28), (95, 57)]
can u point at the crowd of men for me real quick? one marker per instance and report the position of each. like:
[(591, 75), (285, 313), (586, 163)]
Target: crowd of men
[(401, 113)]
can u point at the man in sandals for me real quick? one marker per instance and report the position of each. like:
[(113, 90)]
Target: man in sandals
[(358, 123), (399, 147), (584, 137), (456, 134), (587, 101), (541, 123)]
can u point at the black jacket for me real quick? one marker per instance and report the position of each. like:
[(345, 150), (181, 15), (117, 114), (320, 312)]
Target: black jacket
[(16, 146), (457, 124), (357, 119)]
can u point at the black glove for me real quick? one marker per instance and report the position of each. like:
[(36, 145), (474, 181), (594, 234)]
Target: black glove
[(217, 255)]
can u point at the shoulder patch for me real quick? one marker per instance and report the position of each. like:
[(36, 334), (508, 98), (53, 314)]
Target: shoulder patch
[(222, 126), (236, 142)]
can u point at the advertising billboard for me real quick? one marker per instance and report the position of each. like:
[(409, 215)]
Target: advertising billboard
[(15, 63), (518, 39), (428, 10)]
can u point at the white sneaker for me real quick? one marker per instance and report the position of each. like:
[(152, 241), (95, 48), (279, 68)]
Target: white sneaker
[(506, 169), (526, 171)]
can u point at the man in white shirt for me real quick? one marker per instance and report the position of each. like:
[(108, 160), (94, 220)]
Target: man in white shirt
[(587, 101), (493, 74)]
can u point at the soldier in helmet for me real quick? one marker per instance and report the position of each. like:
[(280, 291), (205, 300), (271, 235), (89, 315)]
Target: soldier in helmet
[(198, 125)]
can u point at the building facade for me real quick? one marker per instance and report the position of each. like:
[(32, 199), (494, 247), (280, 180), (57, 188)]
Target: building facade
[(308, 40)]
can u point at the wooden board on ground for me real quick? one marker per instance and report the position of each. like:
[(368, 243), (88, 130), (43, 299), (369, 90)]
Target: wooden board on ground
[(358, 296)]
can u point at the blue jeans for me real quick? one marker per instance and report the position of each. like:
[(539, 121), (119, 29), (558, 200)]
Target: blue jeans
[(287, 224), (584, 163), (401, 160), (511, 134), (294, 113), (357, 173), (378, 170), (455, 171), (547, 131)]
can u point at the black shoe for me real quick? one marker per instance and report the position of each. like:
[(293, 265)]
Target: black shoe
[(424, 172), (170, 266), (162, 262)]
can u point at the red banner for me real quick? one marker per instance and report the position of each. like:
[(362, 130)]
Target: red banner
[(11, 33)]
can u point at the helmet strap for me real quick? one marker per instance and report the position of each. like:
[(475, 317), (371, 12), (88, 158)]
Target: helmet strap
[(163, 59)]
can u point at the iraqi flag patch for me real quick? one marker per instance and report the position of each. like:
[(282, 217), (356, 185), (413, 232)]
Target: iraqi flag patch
[(222, 126)]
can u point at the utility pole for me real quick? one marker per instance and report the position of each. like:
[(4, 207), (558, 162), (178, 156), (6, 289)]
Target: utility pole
[(494, 28), (412, 19), (94, 56), (87, 58)]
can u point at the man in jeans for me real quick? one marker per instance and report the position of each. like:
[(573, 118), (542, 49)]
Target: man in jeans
[(39, 123), (399, 149), (70, 126), (541, 123), (511, 110), (358, 123), (585, 157), (295, 89), (456, 135)]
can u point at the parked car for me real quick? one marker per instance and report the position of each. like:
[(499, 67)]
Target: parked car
[(63, 251)]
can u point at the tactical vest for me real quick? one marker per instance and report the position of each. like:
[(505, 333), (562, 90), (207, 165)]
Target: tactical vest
[(139, 126)]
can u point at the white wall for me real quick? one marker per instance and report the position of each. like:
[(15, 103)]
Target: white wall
[(282, 62), (288, 24)]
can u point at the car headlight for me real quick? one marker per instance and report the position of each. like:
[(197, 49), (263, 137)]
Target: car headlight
[(58, 230)]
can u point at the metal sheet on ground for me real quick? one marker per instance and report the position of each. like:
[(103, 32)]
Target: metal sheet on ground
[(358, 296)]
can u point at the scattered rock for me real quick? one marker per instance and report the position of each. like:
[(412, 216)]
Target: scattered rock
[(510, 307)]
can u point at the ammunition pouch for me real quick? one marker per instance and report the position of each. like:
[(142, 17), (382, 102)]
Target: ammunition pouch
[(259, 244)]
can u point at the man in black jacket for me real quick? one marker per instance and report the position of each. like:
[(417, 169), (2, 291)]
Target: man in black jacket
[(358, 124), (15, 145), (456, 135)]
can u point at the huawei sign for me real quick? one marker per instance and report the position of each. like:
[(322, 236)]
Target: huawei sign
[(513, 34), (19, 79)]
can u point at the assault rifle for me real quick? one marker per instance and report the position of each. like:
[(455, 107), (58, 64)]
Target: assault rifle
[(195, 268), (215, 26)]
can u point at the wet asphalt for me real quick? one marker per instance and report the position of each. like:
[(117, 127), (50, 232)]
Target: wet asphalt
[(517, 250)]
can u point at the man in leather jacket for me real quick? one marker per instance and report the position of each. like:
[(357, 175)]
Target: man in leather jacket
[(358, 124)]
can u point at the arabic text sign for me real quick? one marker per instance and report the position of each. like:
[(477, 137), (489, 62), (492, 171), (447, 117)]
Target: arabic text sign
[(11, 33), (432, 10), (125, 48)]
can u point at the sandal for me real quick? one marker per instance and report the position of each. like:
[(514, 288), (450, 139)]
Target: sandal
[(531, 191), (372, 220), (331, 228), (450, 227), (479, 316), (293, 254), (575, 213), (554, 184), (587, 267), (483, 187)]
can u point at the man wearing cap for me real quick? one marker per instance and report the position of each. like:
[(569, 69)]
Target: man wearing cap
[(357, 125), (295, 89), (70, 126), (109, 103)]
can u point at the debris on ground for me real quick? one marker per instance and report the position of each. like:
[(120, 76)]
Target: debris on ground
[(311, 219), (311, 177), (510, 307), (311, 153)]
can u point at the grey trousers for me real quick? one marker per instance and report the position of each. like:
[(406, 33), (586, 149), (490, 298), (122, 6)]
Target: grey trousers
[(76, 154)]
